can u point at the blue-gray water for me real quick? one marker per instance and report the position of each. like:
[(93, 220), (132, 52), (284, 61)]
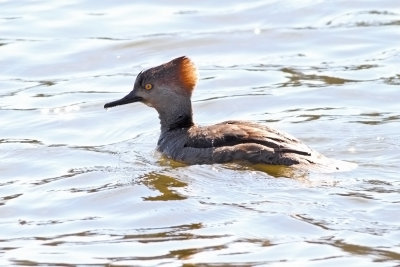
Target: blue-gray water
[(79, 185)]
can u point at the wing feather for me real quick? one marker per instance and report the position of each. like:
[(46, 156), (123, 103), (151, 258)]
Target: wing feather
[(233, 133)]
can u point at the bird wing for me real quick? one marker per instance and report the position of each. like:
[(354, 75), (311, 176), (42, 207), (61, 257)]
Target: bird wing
[(233, 133)]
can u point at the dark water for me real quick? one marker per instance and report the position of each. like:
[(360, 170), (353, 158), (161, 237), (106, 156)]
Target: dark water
[(79, 185)]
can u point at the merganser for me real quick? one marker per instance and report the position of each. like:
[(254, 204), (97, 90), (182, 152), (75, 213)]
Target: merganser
[(168, 88)]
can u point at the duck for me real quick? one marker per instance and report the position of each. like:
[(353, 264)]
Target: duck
[(168, 89)]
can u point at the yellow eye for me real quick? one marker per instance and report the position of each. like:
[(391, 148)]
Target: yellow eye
[(148, 86)]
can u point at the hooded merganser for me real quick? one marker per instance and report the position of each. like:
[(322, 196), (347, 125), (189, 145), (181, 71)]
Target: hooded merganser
[(168, 89)]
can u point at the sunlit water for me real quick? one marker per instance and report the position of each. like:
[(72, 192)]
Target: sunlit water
[(79, 185)]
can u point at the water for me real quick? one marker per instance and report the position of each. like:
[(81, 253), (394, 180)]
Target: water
[(79, 185)]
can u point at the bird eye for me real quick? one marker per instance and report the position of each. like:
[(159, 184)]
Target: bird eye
[(148, 86)]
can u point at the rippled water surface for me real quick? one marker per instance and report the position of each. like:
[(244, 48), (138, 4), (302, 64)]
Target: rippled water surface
[(79, 185)]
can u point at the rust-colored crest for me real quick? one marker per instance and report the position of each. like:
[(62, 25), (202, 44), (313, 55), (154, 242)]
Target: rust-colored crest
[(179, 74), (187, 73)]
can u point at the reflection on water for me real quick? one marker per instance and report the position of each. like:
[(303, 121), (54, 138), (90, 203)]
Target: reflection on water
[(377, 118), (164, 184), (298, 78), (82, 186)]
